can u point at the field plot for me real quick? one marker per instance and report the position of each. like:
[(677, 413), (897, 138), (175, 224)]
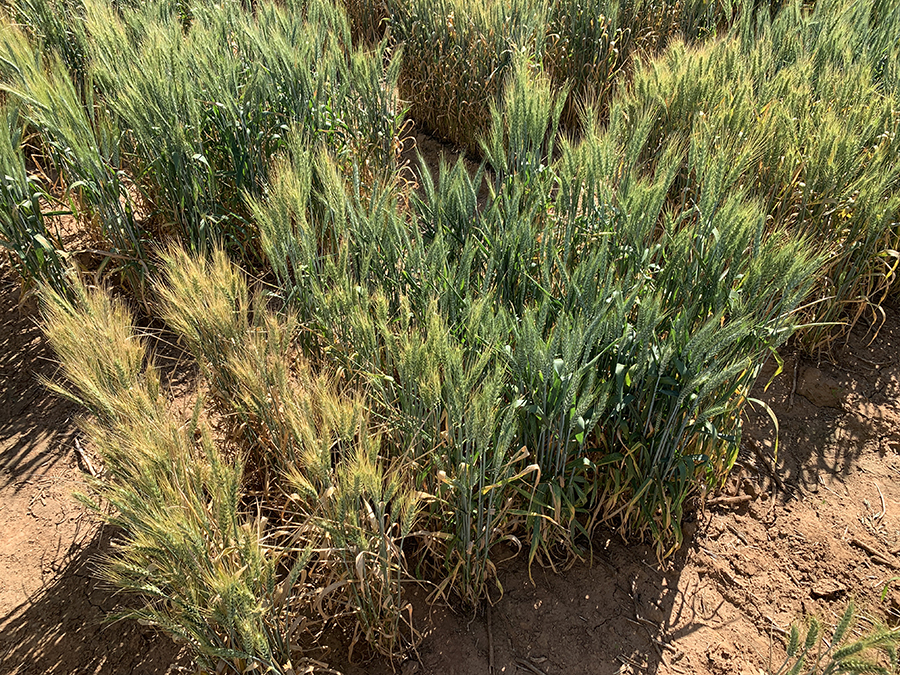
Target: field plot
[(337, 396)]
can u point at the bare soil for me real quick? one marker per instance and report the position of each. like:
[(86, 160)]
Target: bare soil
[(826, 530)]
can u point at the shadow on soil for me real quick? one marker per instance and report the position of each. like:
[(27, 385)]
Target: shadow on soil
[(37, 428), (61, 629), (618, 615), (34, 425), (832, 411)]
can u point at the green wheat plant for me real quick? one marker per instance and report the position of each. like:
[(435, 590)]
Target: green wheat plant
[(401, 381), (456, 57), (816, 653), (591, 45), (59, 27), (208, 108), (36, 251), (812, 121), (82, 144), (625, 387)]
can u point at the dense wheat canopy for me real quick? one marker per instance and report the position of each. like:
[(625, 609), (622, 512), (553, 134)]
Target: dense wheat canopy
[(401, 365)]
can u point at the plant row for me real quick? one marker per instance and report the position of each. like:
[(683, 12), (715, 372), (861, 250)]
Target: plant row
[(429, 380), (402, 381)]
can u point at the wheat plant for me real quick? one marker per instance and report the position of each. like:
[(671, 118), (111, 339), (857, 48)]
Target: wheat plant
[(399, 379), (816, 653)]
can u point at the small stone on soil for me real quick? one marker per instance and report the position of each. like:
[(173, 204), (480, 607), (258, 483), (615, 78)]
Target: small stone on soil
[(827, 589)]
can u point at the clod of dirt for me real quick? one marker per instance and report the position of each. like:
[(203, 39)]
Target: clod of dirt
[(749, 488), (689, 529), (819, 389), (827, 589), (719, 659)]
